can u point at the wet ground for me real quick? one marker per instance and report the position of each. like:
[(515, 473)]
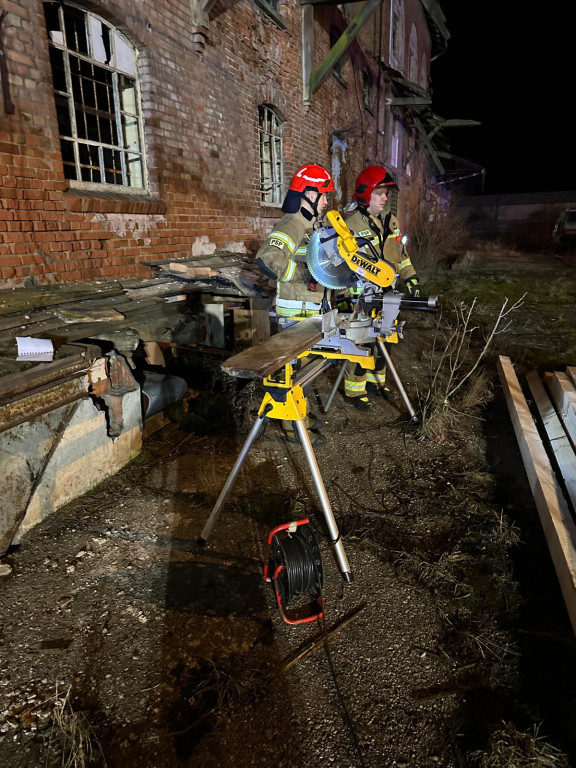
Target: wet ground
[(118, 630)]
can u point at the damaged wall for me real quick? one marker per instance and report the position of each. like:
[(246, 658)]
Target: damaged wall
[(200, 88), (51, 458)]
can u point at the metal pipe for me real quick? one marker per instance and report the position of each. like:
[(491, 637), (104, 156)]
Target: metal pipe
[(336, 385), (254, 432), (311, 371), (390, 365), (334, 533)]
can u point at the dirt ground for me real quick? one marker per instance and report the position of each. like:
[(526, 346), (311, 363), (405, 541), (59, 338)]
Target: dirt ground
[(125, 644)]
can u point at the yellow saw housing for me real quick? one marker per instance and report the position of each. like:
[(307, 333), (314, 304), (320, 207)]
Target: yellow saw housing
[(378, 271)]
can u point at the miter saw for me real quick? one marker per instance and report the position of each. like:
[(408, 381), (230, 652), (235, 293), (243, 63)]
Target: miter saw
[(340, 260)]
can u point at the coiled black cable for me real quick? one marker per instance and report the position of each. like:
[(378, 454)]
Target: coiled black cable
[(302, 572)]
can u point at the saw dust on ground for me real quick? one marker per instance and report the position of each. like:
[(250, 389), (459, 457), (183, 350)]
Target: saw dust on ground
[(125, 644)]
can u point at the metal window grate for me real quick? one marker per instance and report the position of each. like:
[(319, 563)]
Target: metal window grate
[(97, 98), (271, 159)]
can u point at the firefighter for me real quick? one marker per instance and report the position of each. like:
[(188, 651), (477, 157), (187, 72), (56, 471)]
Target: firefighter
[(282, 256), (370, 217)]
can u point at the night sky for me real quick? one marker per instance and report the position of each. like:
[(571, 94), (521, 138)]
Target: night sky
[(515, 74)]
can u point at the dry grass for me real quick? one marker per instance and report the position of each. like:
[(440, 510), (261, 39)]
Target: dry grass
[(435, 228), (72, 737), (510, 748), (459, 384)]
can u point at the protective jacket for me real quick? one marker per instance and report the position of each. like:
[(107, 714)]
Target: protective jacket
[(382, 231), (283, 258)]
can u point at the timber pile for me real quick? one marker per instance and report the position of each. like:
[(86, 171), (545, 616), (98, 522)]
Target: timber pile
[(554, 398), (121, 311)]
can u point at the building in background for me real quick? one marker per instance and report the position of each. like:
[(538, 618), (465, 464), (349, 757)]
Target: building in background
[(137, 131)]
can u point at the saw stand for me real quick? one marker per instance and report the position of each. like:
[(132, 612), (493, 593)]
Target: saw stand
[(284, 400)]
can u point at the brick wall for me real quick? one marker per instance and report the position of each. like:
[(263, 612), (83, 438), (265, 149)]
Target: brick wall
[(201, 129)]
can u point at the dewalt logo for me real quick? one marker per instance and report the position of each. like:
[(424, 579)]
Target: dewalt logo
[(366, 265)]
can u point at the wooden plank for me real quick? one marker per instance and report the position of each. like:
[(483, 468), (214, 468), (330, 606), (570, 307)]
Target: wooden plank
[(571, 371), (559, 442), (25, 299), (557, 522), (563, 396), (270, 356), (20, 384)]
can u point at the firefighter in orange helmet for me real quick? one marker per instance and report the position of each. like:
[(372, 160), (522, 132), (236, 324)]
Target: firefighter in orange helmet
[(282, 256), (371, 218)]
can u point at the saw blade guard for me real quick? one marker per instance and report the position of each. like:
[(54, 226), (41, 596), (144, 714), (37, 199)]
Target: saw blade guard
[(325, 263)]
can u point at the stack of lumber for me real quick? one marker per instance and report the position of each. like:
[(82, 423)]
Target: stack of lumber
[(120, 310), (554, 398), (67, 313), (229, 269)]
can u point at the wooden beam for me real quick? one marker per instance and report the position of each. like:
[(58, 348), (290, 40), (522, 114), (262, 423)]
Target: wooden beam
[(407, 101), (272, 355), (563, 396), (559, 443), (557, 522), (427, 143), (343, 43)]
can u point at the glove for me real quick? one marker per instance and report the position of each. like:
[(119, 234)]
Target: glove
[(313, 286), (413, 287)]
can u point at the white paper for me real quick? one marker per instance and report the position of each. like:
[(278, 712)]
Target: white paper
[(30, 348)]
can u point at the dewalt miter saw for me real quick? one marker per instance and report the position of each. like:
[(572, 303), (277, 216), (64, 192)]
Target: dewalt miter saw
[(338, 259)]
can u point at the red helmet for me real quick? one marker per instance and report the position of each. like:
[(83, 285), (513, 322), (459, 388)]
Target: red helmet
[(312, 177), (372, 177), (307, 177)]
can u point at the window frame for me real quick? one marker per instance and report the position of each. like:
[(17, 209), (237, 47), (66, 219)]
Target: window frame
[(120, 116), (276, 158), (276, 16)]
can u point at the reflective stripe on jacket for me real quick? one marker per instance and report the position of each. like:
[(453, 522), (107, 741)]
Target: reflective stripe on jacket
[(283, 256)]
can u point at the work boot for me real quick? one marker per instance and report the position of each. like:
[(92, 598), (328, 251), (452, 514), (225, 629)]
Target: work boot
[(387, 393), (383, 391), (317, 439), (360, 403), (314, 423)]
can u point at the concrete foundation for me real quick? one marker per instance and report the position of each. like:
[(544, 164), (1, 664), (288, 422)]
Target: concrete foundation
[(53, 458)]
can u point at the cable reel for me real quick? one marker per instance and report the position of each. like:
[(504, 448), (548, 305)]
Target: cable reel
[(295, 569)]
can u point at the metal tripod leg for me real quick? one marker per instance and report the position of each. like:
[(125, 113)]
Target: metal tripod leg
[(339, 553), (336, 385), (390, 365), (254, 432)]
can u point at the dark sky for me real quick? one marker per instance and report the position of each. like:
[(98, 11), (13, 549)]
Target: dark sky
[(512, 66)]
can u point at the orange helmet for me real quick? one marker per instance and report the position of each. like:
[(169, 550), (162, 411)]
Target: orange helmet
[(372, 177), (307, 178)]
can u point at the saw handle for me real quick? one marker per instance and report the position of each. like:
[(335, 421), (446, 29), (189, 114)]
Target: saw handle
[(423, 304)]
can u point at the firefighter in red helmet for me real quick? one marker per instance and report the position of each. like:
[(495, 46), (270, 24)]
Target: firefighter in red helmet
[(282, 256), (370, 217)]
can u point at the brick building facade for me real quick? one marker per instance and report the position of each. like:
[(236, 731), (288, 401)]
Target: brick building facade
[(135, 130)]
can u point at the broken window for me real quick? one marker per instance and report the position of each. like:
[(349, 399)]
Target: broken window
[(271, 160), (97, 98)]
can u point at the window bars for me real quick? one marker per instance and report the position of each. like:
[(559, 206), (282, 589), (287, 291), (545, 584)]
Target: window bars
[(271, 162), (97, 98)]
